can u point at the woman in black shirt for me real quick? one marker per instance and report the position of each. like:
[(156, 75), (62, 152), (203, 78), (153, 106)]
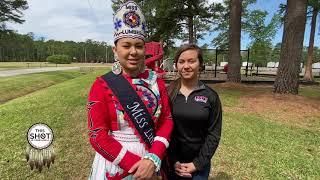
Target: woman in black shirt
[(197, 115)]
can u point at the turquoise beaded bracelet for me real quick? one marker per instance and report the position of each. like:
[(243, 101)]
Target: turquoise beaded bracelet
[(155, 159)]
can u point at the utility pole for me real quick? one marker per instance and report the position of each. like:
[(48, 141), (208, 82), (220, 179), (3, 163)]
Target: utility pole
[(85, 55), (106, 53)]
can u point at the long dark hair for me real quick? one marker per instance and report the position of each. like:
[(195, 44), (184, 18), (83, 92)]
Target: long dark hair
[(174, 87)]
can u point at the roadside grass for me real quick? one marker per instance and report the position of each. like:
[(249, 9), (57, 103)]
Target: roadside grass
[(16, 86), (62, 107), (252, 145), (24, 65)]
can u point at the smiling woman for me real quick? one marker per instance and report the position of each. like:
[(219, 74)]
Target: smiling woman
[(130, 53), (197, 116), (129, 118)]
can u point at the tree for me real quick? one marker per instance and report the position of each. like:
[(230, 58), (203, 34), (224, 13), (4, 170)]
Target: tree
[(221, 22), (196, 12), (315, 6), (260, 52), (261, 35), (11, 11), (287, 79), (18, 47), (221, 25), (169, 20), (275, 55), (257, 29), (200, 28), (234, 41)]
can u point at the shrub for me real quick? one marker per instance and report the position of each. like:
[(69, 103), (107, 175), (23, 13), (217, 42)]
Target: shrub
[(59, 59)]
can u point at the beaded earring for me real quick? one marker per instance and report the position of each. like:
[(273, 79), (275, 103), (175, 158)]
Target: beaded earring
[(116, 67)]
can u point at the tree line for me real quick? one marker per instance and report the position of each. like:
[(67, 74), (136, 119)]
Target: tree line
[(191, 20), (18, 47)]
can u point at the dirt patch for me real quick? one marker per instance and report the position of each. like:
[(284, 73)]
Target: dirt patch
[(295, 110), (291, 109)]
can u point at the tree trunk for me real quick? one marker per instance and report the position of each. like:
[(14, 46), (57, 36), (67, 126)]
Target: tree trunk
[(234, 64), (195, 34), (308, 70), (190, 27), (287, 79)]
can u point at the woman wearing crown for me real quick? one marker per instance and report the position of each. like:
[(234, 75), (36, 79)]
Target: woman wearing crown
[(129, 117)]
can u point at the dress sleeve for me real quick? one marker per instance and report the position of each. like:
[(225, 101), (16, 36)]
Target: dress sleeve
[(164, 125), (101, 111), (214, 133)]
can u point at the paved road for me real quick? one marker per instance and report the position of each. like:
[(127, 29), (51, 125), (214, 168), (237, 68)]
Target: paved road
[(16, 72)]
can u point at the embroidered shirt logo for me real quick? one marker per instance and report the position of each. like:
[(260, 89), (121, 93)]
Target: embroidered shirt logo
[(201, 99)]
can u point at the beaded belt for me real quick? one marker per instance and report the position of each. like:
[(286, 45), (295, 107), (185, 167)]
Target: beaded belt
[(124, 136)]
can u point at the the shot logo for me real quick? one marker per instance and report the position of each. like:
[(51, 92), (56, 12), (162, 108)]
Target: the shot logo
[(40, 136), (40, 151)]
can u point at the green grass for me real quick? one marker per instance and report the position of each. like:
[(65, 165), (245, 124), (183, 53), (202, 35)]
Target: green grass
[(13, 87), (229, 98), (22, 65), (310, 91), (251, 147), (62, 107)]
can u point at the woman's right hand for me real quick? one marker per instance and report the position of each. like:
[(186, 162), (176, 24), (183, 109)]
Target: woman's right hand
[(181, 170), (144, 169)]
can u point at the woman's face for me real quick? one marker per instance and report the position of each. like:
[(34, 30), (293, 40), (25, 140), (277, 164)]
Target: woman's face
[(188, 64), (131, 54)]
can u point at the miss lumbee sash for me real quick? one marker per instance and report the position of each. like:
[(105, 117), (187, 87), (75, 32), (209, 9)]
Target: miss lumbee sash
[(132, 105)]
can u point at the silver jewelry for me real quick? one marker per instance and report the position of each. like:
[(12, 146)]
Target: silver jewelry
[(116, 67)]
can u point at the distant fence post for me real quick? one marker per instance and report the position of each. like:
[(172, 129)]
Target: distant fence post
[(247, 66), (216, 64)]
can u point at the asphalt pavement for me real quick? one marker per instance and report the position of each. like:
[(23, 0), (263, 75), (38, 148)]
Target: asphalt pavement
[(7, 73)]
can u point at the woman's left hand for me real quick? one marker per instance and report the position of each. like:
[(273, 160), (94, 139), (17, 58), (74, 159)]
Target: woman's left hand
[(190, 168), (144, 169)]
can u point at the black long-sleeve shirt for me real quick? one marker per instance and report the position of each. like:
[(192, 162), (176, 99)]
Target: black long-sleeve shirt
[(197, 126)]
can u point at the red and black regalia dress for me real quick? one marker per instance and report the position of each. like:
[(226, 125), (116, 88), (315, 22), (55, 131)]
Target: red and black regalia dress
[(113, 135)]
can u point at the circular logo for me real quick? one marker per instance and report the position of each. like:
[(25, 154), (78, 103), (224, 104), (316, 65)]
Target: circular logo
[(40, 136), (132, 19)]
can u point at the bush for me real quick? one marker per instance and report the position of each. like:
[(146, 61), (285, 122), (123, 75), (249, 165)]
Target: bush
[(59, 59)]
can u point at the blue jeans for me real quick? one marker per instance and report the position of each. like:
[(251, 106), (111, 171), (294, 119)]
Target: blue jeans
[(198, 175), (202, 175)]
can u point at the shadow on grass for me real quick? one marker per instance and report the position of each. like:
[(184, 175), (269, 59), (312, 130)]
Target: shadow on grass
[(221, 176)]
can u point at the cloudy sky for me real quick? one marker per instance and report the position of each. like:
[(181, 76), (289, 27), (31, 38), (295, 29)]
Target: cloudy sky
[(79, 20), (75, 20)]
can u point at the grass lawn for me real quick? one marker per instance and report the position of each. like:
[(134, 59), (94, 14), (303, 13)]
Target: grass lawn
[(16, 86), (23, 65), (62, 107), (310, 91), (259, 144), (255, 144)]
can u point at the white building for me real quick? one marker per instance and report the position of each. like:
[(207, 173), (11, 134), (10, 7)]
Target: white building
[(316, 65), (244, 64), (271, 64), (223, 63)]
